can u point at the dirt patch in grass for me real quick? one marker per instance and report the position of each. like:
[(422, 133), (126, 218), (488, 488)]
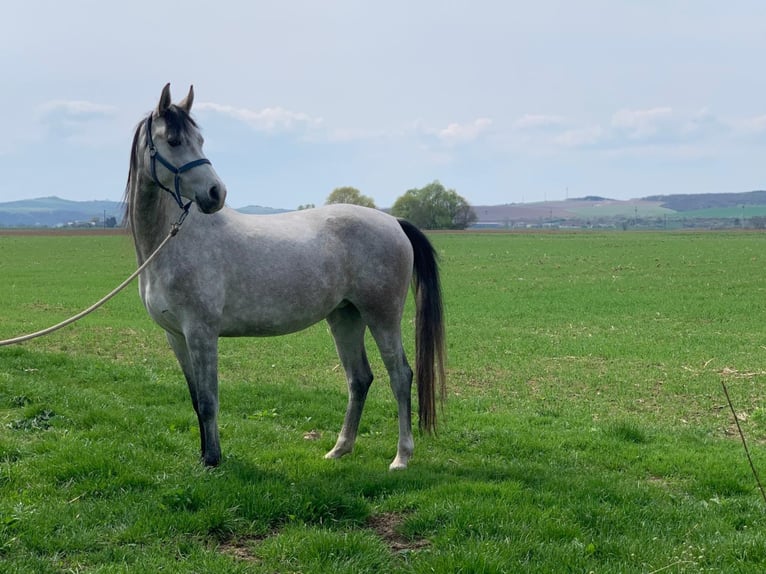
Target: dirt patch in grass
[(385, 525), (241, 549)]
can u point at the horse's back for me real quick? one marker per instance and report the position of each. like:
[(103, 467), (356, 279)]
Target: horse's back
[(339, 233), (284, 272), (345, 221)]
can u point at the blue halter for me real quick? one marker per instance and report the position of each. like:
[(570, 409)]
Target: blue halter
[(156, 156)]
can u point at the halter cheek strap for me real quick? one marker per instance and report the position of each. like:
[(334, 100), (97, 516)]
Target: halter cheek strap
[(156, 156)]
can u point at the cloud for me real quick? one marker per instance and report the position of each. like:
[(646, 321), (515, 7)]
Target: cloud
[(538, 122), (642, 124), (654, 129), (342, 135), (271, 120), (77, 109), (754, 125), (664, 125), (581, 137), (75, 120), (456, 133)]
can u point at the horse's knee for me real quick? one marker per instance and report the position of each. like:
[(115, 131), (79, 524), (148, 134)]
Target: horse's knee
[(359, 385)]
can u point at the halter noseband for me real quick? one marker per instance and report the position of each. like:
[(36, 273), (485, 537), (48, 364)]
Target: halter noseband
[(156, 156)]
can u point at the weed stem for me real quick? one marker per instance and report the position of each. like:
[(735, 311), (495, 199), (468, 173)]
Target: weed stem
[(744, 443)]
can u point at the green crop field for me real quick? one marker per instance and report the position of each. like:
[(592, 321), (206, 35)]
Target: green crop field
[(585, 428), (738, 211)]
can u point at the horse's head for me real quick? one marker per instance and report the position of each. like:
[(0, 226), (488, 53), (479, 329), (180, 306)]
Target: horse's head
[(173, 156)]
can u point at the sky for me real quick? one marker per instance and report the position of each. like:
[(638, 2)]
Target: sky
[(504, 101)]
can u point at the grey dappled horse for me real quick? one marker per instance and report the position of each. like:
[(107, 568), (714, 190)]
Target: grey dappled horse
[(228, 275)]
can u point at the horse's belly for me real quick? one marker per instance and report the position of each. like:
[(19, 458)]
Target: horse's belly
[(289, 300), (271, 322)]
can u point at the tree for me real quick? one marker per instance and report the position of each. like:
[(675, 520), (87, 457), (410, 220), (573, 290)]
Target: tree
[(434, 207), (349, 195), (306, 206)]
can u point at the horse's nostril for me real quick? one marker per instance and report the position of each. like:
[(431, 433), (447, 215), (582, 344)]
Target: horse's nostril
[(215, 193)]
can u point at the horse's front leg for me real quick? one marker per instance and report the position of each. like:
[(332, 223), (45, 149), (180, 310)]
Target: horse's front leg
[(203, 356), (178, 344)]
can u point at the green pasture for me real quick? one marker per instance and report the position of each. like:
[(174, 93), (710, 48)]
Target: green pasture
[(723, 212), (585, 428)]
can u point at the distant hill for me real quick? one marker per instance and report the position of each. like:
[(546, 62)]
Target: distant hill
[(595, 208), (700, 201), (57, 212), (591, 208)]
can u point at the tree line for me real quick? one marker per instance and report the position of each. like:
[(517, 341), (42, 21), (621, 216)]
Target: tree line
[(429, 207)]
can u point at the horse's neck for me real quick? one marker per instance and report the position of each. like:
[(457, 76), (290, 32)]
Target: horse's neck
[(152, 214)]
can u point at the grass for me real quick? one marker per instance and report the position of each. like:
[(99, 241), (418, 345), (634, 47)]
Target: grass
[(585, 429), (736, 211)]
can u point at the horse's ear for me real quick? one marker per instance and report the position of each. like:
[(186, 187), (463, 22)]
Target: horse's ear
[(187, 102), (164, 99)]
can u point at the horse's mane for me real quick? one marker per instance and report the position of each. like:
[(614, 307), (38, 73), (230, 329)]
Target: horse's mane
[(179, 123)]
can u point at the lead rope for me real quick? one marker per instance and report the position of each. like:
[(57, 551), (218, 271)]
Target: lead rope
[(173, 231)]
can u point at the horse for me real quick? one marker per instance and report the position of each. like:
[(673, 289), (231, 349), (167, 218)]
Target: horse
[(226, 274)]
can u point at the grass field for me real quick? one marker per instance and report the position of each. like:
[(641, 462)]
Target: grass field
[(585, 429), (721, 212)]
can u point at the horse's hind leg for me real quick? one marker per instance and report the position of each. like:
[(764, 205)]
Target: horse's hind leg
[(348, 329), (389, 340)]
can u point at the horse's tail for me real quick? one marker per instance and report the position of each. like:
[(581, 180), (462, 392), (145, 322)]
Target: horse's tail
[(429, 327)]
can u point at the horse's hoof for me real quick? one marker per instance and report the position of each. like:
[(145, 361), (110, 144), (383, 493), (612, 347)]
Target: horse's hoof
[(341, 447), (212, 461), (397, 465), (334, 453)]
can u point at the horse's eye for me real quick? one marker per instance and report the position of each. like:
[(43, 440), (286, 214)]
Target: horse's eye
[(174, 141)]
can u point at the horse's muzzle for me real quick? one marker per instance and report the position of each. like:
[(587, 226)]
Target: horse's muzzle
[(213, 200)]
